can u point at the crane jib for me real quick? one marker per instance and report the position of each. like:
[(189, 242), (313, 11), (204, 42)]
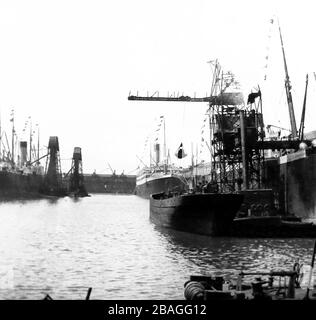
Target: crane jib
[(223, 99)]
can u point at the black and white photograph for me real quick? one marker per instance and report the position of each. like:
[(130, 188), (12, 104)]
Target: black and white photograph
[(157, 150)]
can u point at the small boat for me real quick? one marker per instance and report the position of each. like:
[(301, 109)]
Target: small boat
[(273, 285), (200, 213), (292, 284)]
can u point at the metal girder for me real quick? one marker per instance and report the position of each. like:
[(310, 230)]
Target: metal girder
[(231, 98)]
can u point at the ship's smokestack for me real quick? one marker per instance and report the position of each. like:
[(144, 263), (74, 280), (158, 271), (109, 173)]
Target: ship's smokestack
[(23, 150), (157, 152)]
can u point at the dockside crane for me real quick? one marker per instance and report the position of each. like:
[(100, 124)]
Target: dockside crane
[(76, 179), (53, 183), (235, 130)]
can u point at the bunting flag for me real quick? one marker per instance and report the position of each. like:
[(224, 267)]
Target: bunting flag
[(268, 49), (157, 131), (180, 153)]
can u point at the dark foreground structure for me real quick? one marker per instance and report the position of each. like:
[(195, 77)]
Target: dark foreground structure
[(266, 285)]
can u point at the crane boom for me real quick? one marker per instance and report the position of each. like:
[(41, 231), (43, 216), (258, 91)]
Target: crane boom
[(288, 92), (110, 168), (227, 98)]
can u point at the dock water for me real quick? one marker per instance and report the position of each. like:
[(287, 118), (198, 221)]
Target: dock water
[(63, 246)]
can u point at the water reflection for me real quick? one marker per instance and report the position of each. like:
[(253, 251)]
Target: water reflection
[(218, 255)]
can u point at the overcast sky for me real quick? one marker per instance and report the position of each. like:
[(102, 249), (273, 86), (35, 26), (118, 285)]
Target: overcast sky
[(70, 65)]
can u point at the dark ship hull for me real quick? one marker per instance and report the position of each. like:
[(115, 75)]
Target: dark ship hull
[(112, 184), (18, 185), (163, 183), (298, 181), (293, 177), (272, 227), (201, 213)]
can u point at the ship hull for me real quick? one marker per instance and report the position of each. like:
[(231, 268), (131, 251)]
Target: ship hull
[(293, 177), (160, 184), (206, 214), (17, 185), (272, 227), (298, 179)]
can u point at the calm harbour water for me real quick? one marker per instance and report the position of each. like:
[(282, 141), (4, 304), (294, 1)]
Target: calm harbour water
[(62, 247)]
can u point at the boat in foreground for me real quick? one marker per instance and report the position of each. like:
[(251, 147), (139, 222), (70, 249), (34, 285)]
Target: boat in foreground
[(201, 213), (271, 285), (294, 284)]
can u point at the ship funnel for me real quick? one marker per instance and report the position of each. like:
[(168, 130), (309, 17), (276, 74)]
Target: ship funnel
[(157, 152), (23, 151)]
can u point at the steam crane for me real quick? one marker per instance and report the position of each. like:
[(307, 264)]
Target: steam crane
[(235, 130), (76, 181)]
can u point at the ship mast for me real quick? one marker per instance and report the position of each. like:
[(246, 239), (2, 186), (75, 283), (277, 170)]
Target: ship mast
[(288, 92), (38, 141), (0, 138), (30, 139), (301, 130), (164, 145), (12, 119)]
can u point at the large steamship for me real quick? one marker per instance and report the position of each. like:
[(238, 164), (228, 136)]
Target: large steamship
[(20, 176), (160, 177), (157, 180)]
